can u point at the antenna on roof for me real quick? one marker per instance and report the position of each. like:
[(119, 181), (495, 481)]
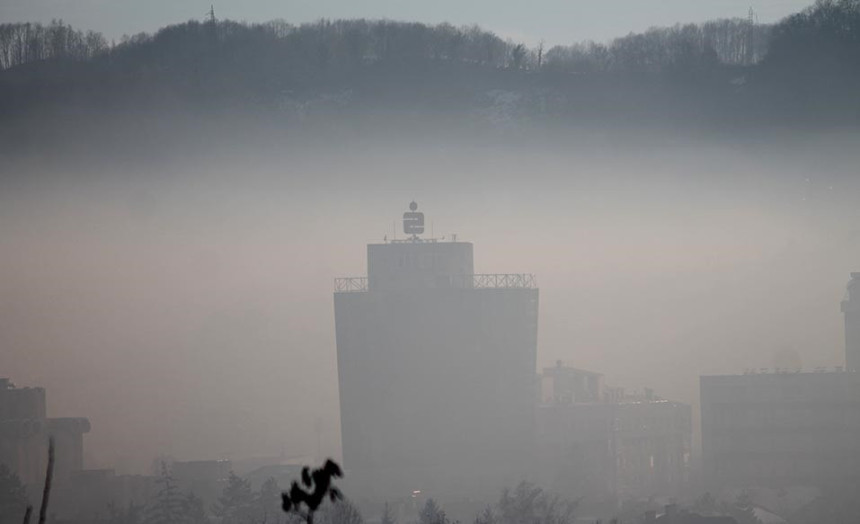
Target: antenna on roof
[(750, 40), (413, 221)]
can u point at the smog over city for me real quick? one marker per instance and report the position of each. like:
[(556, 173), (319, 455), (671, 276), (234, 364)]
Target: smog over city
[(541, 263)]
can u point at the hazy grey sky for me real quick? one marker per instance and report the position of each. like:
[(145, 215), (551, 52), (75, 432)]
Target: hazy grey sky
[(555, 21)]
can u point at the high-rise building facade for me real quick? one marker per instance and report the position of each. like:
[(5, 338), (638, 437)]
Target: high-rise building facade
[(777, 430), (851, 310), (436, 369)]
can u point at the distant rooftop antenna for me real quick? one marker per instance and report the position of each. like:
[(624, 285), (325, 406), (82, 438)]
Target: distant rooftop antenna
[(413, 221), (750, 44)]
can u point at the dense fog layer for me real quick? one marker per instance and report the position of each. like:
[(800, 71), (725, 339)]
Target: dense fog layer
[(180, 295)]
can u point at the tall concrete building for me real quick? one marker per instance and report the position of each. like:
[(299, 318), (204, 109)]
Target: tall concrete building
[(437, 370), (851, 310)]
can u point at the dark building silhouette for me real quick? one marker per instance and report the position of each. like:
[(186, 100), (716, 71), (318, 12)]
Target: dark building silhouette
[(436, 369), (24, 432)]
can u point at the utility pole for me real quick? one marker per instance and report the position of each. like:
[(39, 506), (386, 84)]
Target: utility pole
[(750, 44), (540, 55)]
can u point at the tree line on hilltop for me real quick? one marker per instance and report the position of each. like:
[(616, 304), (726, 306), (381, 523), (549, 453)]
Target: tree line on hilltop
[(347, 43), (730, 66)]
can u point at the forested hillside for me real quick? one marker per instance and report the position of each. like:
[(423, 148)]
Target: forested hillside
[(803, 70)]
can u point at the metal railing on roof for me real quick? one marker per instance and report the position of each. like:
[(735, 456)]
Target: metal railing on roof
[(478, 281), (350, 285), (504, 281)]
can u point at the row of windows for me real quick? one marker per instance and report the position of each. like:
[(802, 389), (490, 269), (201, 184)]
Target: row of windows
[(785, 415)]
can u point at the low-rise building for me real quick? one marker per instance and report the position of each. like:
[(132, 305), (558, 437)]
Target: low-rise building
[(786, 428), (94, 494), (599, 442), (205, 478)]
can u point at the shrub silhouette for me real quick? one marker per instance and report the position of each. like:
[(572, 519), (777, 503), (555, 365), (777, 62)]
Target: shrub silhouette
[(319, 487)]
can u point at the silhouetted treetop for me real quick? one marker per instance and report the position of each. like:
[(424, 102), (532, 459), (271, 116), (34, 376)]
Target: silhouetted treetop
[(23, 43), (718, 42), (317, 488), (824, 35)]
